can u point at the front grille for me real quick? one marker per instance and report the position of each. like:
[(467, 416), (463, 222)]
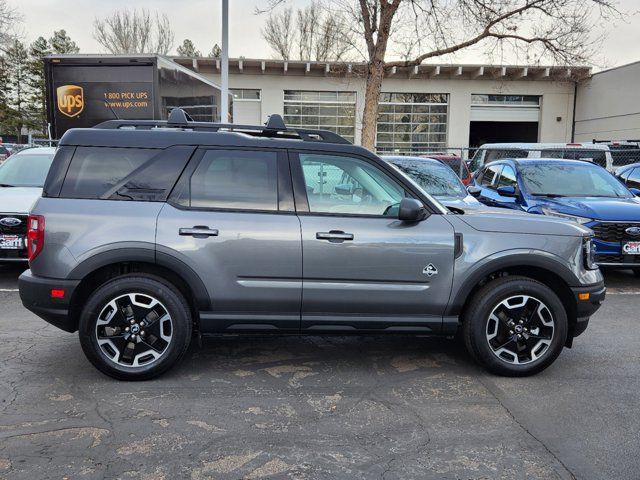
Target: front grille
[(613, 232), (13, 254), (20, 229), (618, 259)]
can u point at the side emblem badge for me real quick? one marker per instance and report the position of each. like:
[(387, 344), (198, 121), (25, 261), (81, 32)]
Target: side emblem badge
[(430, 270)]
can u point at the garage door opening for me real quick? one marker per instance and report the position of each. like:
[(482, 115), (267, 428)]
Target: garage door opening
[(503, 118), (501, 132)]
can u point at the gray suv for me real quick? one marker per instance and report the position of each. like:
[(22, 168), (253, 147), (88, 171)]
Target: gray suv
[(149, 233)]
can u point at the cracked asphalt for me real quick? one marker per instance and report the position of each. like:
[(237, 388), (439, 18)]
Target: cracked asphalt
[(394, 407)]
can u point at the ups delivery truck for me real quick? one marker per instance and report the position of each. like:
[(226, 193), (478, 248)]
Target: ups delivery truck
[(84, 90)]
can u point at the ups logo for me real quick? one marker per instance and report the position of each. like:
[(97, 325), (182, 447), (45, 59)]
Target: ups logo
[(70, 100)]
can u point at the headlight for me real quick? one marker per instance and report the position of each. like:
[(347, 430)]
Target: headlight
[(589, 253), (553, 213)]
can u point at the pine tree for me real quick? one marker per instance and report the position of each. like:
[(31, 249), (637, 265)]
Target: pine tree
[(216, 51), (61, 43), (17, 113), (188, 49), (37, 99)]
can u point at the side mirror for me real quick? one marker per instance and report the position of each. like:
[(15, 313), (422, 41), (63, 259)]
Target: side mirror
[(344, 189), (635, 191), (474, 190), (411, 210), (507, 191)]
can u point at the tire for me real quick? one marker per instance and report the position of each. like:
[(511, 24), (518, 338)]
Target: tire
[(636, 272), (107, 327), (543, 331)]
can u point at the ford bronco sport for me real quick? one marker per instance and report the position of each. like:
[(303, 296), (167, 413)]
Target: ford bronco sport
[(149, 232)]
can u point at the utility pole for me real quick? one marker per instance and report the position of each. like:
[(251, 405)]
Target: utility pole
[(224, 80)]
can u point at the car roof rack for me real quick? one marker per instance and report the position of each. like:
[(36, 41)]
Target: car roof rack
[(274, 128)]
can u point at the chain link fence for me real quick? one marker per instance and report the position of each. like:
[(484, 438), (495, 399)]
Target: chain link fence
[(607, 156)]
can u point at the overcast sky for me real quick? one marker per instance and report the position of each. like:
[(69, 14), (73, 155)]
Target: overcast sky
[(199, 20)]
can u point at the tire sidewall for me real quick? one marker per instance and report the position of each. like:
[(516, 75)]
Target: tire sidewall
[(480, 317), (172, 300)]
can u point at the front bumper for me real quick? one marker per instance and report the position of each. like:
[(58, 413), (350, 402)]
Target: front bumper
[(588, 301), (35, 293)]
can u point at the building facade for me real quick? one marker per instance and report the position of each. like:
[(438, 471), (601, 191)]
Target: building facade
[(608, 105), (421, 109)]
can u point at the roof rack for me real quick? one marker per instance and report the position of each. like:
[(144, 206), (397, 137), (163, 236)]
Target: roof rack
[(274, 128)]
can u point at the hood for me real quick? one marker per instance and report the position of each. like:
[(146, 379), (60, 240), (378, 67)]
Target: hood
[(512, 221), (607, 209), (463, 203), (18, 199)]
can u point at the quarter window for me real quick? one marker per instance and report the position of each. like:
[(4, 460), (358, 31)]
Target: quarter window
[(346, 185), (95, 170), (234, 179)]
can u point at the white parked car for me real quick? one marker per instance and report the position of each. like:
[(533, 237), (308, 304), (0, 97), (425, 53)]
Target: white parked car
[(22, 177), (597, 153)]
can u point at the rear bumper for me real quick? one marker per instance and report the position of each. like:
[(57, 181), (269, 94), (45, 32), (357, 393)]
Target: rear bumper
[(588, 301), (35, 293)]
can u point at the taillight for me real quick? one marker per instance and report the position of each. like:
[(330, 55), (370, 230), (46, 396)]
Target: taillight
[(35, 236)]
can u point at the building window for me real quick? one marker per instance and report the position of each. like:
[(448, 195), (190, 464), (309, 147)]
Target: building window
[(333, 111), (506, 100), (245, 94), (412, 123)]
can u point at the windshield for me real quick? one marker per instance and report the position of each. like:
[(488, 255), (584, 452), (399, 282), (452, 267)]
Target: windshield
[(25, 170), (435, 179), (563, 180)]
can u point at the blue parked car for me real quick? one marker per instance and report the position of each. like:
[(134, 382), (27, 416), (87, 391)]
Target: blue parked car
[(574, 190)]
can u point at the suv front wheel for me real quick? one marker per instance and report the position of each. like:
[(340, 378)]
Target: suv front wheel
[(135, 327), (515, 326)]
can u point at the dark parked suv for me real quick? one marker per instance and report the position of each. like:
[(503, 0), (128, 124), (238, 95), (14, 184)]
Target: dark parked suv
[(148, 232)]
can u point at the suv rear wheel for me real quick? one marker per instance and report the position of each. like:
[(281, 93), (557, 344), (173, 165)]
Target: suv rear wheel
[(135, 327), (515, 326)]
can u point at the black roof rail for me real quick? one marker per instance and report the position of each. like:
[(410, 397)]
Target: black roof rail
[(274, 128)]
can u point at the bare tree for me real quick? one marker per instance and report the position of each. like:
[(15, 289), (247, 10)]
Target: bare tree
[(134, 31), (9, 18), (278, 33), (531, 30), (322, 34), (316, 33)]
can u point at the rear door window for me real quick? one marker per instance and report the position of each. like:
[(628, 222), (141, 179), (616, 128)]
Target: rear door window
[(234, 179)]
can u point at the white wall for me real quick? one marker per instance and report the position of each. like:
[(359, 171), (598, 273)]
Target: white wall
[(608, 105), (557, 97)]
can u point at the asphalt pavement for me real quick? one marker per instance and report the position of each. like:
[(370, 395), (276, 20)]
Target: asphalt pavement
[(391, 407)]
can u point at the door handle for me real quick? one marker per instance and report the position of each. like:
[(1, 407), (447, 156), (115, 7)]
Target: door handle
[(334, 236), (198, 232)]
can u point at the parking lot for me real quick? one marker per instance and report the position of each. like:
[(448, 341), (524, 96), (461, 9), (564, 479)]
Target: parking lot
[(321, 407)]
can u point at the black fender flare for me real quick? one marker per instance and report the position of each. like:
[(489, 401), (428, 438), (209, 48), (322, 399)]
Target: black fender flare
[(145, 254), (504, 261)]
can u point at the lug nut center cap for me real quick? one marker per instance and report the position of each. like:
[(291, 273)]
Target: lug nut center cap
[(135, 329), (518, 329)]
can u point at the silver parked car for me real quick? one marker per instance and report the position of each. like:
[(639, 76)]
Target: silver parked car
[(21, 179), (438, 180), (146, 235)]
